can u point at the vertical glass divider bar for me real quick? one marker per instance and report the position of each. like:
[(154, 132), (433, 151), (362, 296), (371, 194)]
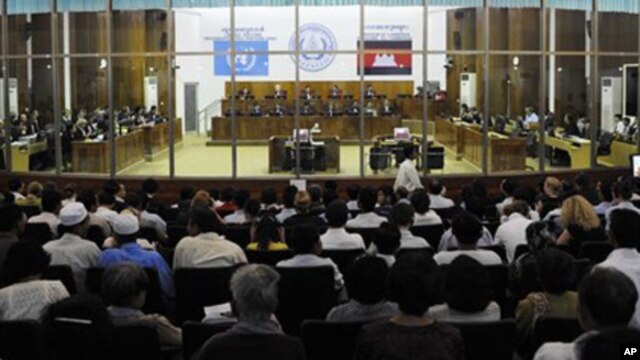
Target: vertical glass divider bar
[(361, 50), (593, 84), (638, 81), (170, 91), (485, 112), (234, 110), (112, 120), (5, 84), (55, 80), (542, 92), (425, 99), (296, 87)]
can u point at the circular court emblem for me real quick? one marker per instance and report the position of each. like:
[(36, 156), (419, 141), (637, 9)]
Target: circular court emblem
[(316, 40)]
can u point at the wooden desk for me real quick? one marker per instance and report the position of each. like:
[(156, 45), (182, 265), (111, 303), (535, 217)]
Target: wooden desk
[(94, 156), (347, 128), (579, 151), (619, 156), (21, 155), (156, 138), (450, 135), (278, 153), (411, 108)]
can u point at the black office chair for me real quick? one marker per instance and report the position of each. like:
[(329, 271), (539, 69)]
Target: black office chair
[(239, 234), (267, 257), (553, 329), (427, 251), (498, 249), (197, 288), (304, 293), (175, 233), (38, 232), (488, 340), (366, 233), (435, 157), (595, 251), (431, 233), (343, 258), (62, 273), (316, 334), (195, 334), (21, 340), (135, 342)]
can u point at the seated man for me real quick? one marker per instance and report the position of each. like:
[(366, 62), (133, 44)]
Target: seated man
[(424, 215), (51, 204), (369, 93), (278, 93), (402, 216), (302, 203), (332, 110), (204, 248), (369, 109), (513, 231), (386, 241), (307, 248), (307, 110), (367, 218), (254, 290), (336, 238), (307, 93), (278, 110), (436, 195), (335, 92), (256, 110), (386, 108), (353, 109), (126, 229), (530, 118), (468, 230), (235, 111), (238, 216), (244, 94)]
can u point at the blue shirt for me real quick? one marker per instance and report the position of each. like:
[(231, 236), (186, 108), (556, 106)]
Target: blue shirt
[(132, 252)]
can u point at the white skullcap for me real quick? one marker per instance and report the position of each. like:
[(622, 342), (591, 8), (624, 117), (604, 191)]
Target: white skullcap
[(125, 224), (73, 214)]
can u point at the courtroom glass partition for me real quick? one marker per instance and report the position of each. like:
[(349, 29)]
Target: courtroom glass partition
[(452, 27), (139, 31), (514, 25), (267, 28), (29, 31), (617, 27), (198, 28), (569, 29), (338, 26), (81, 31)]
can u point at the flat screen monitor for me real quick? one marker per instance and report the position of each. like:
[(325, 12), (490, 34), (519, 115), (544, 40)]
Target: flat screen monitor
[(401, 134), (302, 135), (635, 165)]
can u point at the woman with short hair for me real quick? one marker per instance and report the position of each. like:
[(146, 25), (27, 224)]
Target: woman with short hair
[(580, 222)]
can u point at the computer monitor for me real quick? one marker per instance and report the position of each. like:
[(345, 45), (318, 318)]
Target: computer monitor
[(303, 135), (401, 134), (635, 165)]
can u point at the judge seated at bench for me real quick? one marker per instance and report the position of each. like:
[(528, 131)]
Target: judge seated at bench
[(278, 93), (369, 109), (256, 110), (244, 94), (278, 110), (332, 110), (335, 92), (307, 93), (235, 112), (369, 93), (354, 109), (386, 108), (307, 109)]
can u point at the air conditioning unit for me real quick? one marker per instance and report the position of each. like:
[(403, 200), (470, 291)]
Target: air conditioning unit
[(611, 99), (150, 91), (468, 89)]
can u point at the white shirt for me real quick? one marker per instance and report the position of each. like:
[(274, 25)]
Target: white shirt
[(207, 250), (366, 220), (48, 218), (512, 233), (107, 214), (18, 196), (440, 202), (601, 209), (340, 239), (442, 312), (627, 261), (448, 240), (95, 220), (352, 205), (484, 257), (530, 119), (410, 241), (312, 260), (237, 217), (560, 350), (390, 259), (426, 219), (153, 221), (506, 202), (285, 214), (408, 176), (621, 128), (628, 205), (28, 300), (78, 253), (534, 215)]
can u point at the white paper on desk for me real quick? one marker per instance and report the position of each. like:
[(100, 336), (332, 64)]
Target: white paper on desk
[(300, 184), (217, 311)]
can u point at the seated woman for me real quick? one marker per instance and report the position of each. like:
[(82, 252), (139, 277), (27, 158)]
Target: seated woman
[(581, 223), (365, 283), (124, 287), (267, 235), (467, 294), (27, 296), (414, 282)]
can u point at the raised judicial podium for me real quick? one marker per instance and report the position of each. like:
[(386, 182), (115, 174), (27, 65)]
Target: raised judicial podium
[(131, 148)]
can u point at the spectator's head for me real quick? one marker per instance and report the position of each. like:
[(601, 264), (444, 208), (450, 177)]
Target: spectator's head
[(186, 193), (365, 280), (409, 152), (252, 208), (25, 261), (557, 271), (203, 220), (214, 193), (306, 239), (228, 194), (125, 285), (623, 190), (126, 228), (74, 219), (134, 201), (269, 196), (35, 189), (289, 196), (552, 187), (624, 227), (517, 206), (331, 185), (353, 191), (315, 192), (337, 214), (479, 188), (88, 199), (468, 286), (106, 200), (201, 198), (526, 194), (302, 202), (415, 284), (467, 229), (607, 298), (402, 193), (606, 193), (582, 181), (111, 186), (387, 239), (254, 289), (576, 210), (367, 199), (386, 195), (16, 185), (266, 231), (402, 215), (609, 343), (436, 187), (150, 186), (539, 236), (51, 201), (241, 198), (329, 196), (420, 201), (508, 186)]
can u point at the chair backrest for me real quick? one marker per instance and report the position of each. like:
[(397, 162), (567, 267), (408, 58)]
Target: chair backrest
[(520, 250), (62, 273), (31, 210), (317, 334), (498, 249), (548, 329), (366, 233), (448, 213), (488, 340), (170, 214), (304, 293), (197, 288), (154, 302), (175, 233), (343, 258), (492, 225), (135, 342), (595, 251), (499, 275), (195, 334), (21, 340), (96, 235), (402, 252), (267, 257), (239, 234), (150, 234), (431, 233), (38, 232)]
